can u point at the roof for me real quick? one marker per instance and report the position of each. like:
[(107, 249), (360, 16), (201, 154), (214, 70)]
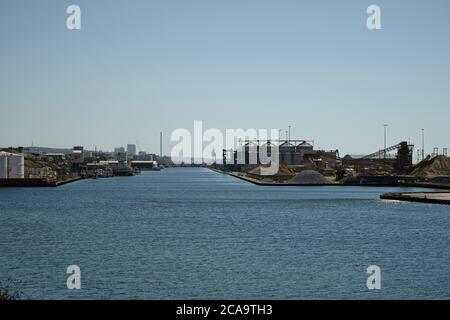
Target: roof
[(268, 143), (97, 164), (305, 144), (253, 143), (54, 154), (143, 161), (286, 144)]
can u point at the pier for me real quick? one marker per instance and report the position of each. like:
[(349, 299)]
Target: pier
[(423, 197)]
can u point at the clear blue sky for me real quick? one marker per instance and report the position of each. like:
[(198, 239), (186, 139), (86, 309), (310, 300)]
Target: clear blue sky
[(138, 67)]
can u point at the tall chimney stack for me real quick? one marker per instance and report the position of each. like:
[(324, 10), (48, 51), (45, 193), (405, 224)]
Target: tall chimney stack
[(160, 144)]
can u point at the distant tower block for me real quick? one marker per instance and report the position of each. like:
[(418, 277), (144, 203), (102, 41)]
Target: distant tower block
[(78, 154), (131, 149)]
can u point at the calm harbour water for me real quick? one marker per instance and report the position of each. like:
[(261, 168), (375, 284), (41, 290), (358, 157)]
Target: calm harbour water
[(190, 233)]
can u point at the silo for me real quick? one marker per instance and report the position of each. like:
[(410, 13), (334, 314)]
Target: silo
[(3, 165), (16, 167)]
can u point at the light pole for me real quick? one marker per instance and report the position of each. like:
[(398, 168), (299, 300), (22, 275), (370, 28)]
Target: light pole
[(385, 126), (160, 143), (289, 133), (423, 144)]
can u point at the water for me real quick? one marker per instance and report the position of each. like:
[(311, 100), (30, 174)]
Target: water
[(190, 233)]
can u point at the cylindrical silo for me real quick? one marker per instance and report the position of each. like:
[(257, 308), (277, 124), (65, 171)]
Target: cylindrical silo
[(16, 167), (3, 166)]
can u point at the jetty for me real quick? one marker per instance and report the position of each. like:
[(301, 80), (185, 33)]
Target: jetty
[(423, 197)]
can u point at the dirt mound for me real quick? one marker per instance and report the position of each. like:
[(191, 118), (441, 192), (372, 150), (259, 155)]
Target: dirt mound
[(431, 167), (309, 177)]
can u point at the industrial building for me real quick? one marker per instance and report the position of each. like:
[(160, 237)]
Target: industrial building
[(78, 155), (41, 173), (295, 152), (100, 169), (57, 158), (123, 167), (144, 165), (77, 158), (291, 153), (382, 160), (300, 155), (12, 166)]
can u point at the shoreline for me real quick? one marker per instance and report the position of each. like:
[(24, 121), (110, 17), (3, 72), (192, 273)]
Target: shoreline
[(331, 184), (34, 183), (432, 197)]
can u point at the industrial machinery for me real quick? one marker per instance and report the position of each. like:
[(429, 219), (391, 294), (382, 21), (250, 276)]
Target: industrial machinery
[(401, 162)]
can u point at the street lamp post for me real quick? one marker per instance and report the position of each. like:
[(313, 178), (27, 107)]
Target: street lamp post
[(423, 144)]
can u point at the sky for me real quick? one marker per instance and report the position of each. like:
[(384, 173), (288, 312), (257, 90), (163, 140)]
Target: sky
[(140, 67)]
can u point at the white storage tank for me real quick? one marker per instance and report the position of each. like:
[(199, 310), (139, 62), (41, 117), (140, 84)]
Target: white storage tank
[(3, 165), (16, 167)]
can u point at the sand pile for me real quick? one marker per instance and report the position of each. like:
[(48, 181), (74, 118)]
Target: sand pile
[(282, 171), (285, 171), (309, 177), (437, 166)]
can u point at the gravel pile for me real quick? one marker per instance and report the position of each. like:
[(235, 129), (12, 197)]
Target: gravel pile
[(309, 177), (437, 166)]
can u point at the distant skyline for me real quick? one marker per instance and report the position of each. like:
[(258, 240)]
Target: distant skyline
[(140, 67)]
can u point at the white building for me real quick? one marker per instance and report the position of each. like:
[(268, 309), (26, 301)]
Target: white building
[(12, 166), (131, 149), (3, 165)]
